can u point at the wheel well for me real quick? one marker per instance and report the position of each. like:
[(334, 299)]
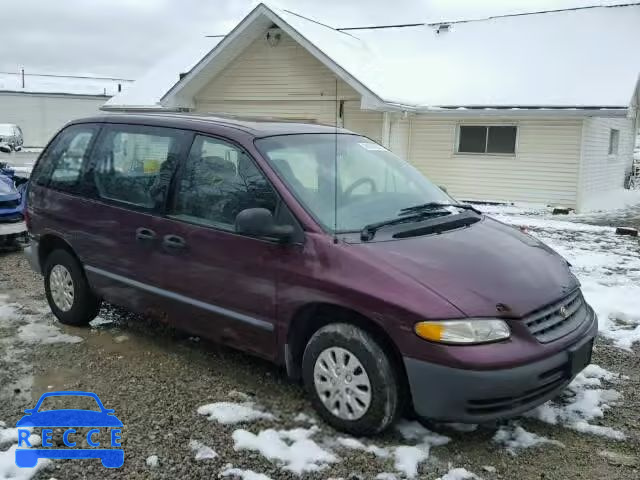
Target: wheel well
[(309, 319), (48, 244)]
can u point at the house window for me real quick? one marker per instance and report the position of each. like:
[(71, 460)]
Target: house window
[(493, 139), (614, 140)]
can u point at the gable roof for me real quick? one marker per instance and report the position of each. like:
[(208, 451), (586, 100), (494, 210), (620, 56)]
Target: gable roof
[(577, 58)]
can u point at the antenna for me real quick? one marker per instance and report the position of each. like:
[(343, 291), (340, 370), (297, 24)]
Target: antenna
[(335, 171)]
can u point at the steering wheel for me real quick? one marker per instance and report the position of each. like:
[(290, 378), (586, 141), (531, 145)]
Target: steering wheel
[(361, 181)]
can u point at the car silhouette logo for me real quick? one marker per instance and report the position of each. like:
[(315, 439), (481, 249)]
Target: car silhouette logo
[(69, 418)]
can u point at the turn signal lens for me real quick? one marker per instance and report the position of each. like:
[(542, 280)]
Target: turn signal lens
[(464, 331)]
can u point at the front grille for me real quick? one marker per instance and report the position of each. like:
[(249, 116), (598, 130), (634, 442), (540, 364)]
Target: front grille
[(559, 319), (10, 203)]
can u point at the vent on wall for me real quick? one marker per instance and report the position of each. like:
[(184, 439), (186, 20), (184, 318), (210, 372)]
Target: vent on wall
[(443, 28), (273, 36)]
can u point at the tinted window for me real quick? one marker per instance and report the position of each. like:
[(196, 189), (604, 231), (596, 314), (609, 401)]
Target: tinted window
[(473, 139), (135, 164), (217, 182), (487, 139), (64, 162)]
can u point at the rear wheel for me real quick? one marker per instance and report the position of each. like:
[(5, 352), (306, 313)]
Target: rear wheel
[(68, 292), (351, 381)]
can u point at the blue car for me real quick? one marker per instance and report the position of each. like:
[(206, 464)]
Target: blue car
[(13, 200), (70, 418)]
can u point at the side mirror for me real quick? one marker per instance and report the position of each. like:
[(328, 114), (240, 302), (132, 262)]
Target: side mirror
[(259, 222)]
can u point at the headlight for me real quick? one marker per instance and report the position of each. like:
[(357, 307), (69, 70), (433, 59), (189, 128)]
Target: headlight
[(463, 331)]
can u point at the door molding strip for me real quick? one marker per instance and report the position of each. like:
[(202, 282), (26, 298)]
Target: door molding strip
[(184, 299)]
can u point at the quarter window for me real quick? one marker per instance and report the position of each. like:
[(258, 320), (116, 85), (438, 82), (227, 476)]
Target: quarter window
[(492, 139), (218, 181), (614, 141), (135, 164), (65, 160)]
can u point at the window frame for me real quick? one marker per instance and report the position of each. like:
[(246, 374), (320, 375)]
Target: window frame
[(610, 152), (160, 210), (486, 145), (282, 209), (86, 167)]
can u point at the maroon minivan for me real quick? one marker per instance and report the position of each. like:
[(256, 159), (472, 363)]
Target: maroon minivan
[(315, 248)]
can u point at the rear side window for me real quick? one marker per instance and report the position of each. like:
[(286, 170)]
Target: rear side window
[(64, 162), (217, 182), (134, 164)]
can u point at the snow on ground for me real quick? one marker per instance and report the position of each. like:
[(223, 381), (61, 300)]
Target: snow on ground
[(8, 468), (582, 402), (355, 444), (304, 418), (293, 449), (152, 461), (459, 474), (201, 450), (514, 438), (228, 412), (38, 332), (244, 474), (408, 458), (607, 265)]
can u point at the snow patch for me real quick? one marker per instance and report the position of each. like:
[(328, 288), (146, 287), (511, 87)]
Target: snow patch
[(354, 444), (386, 476), (152, 461), (244, 474), (202, 451), (581, 402), (293, 449), (45, 334), (304, 418), (459, 474), (514, 438), (228, 413), (408, 458), (8, 468)]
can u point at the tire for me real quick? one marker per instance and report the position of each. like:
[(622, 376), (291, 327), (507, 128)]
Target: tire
[(84, 305), (384, 405)]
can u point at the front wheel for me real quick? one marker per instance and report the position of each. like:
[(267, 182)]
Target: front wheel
[(68, 292), (351, 381)]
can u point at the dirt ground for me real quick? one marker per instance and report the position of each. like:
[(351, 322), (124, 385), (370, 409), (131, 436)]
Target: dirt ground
[(155, 378)]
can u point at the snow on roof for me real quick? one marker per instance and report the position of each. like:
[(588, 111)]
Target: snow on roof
[(147, 91), (558, 59), (61, 84)]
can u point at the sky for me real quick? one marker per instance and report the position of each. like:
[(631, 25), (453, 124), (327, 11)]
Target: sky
[(123, 38)]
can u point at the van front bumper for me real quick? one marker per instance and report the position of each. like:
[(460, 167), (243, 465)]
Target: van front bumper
[(471, 396)]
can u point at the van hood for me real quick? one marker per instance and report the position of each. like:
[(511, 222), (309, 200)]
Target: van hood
[(479, 267)]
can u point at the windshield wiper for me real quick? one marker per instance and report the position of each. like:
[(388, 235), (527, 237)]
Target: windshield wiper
[(368, 231), (435, 205)]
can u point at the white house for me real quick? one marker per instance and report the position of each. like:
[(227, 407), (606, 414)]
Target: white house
[(42, 104), (539, 107)]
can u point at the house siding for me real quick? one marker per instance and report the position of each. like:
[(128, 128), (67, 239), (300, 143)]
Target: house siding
[(543, 170), (601, 172), (284, 72), (287, 82)]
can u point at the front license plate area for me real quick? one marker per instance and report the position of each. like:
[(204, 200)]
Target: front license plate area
[(580, 357)]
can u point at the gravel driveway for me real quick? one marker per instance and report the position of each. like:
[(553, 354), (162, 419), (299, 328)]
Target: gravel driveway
[(156, 378)]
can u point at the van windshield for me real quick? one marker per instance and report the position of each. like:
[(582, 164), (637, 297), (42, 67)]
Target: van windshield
[(373, 184)]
